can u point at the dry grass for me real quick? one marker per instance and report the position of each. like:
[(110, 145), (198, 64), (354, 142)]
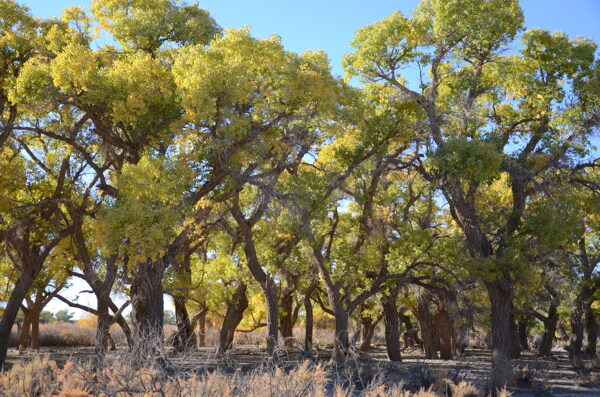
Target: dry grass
[(119, 378)]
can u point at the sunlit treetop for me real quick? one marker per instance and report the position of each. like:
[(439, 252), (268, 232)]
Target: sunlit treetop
[(150, 24)]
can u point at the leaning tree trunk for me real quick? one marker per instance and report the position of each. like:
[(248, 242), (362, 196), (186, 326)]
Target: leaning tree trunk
[(392, 325), (427, 325), (10, 314), (233, 317), (147, 312)]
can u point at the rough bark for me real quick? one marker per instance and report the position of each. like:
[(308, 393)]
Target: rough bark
[(147, 312), (288, 316), (392, 325), (445, 330), (102, 330), (25, 335), (427, 325), (202, 327), (500, 294), (233, 317)]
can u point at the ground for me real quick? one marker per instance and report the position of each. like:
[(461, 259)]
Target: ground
[(535, 376)]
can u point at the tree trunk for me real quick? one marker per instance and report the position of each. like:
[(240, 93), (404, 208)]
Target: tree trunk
[(233, 317), (270, 292), (392, 325), (147, 312), (550, 323), (340, 347), (102, 330), (202, 328), (411, 335), (444, 330), (184, 338), (515, 347), (523, 333), (35, 329), (367, 330), (427, 325), (25, 336), (287, 318), (308, 322), (591, 326), (500, 295), (10, 314)]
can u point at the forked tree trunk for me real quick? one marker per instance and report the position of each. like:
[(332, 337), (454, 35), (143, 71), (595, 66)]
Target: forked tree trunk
[(367, 330), (392, 325), (233, 317)]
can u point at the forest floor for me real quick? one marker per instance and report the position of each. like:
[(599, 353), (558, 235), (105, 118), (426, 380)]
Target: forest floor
[(535, 376)]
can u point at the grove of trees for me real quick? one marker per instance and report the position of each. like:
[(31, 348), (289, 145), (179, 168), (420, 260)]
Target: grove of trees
[(246, 180)]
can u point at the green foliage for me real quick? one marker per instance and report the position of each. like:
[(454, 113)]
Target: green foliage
[(471, 160), (64, 316)]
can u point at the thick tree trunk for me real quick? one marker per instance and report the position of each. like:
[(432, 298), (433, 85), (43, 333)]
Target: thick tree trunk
[(233, 317), (445, 330), (578, 325), (269, 289), (427, 325), (184, 338), (147, 312), (523, 333), (500, 295), (392, 326)]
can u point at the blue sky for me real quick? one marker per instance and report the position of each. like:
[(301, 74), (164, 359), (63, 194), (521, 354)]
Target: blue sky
[(330, 24)]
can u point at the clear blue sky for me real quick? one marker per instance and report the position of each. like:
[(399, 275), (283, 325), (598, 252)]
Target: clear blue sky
[(330, 24)]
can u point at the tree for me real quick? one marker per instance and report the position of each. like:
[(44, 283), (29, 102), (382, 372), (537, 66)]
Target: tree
[(525, 116), (64, 316)]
